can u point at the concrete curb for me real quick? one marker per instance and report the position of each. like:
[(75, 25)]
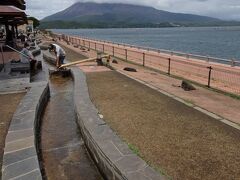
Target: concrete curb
[(110, 153), (48, 57), (36, 52), (43, 47), (20, 160)]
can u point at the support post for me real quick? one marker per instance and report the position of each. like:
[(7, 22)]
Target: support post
[(126, 55), (169, 66), (103, 48), (13, 31), (143, 59), (113, 51), (3, 58), (16, 31), (209, 76)]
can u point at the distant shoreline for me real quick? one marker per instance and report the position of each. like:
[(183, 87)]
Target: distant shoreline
[(78, 25)]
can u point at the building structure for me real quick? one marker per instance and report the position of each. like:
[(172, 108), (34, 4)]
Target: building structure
[(11, 15)]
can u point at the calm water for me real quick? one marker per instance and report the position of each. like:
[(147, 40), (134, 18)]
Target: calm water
[(222, 42)]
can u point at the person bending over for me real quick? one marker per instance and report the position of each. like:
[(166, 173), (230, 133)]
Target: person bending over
[(59, 52)]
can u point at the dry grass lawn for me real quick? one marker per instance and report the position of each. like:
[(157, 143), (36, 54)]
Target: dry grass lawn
[(175, 139)]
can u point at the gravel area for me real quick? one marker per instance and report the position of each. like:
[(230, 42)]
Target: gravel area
[(175, 139), (8, 106)]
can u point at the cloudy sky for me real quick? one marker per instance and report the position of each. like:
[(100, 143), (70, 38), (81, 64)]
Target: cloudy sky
[(223, 9)]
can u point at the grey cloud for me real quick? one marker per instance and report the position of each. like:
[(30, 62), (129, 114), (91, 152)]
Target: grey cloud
[(216, 8)]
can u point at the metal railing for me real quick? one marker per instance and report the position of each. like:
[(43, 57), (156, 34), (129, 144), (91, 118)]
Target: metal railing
[(232, 62), (200, 69)]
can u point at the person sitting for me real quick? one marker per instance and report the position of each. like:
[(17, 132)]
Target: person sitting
[(27, 57), (59, 52), (22, 37)]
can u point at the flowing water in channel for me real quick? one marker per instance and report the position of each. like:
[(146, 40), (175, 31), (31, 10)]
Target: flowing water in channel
[(64, 154)]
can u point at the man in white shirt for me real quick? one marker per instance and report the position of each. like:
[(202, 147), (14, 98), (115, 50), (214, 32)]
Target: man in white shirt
[(59, 52)]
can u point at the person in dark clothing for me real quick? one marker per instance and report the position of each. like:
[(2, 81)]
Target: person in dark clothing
[(27, 57), (9, 38), (22, 37)]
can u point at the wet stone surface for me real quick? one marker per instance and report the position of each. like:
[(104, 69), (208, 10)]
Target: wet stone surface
[(63, 151)]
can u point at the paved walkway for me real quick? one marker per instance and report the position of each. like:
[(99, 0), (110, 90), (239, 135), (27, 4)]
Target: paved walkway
[(217, 103)]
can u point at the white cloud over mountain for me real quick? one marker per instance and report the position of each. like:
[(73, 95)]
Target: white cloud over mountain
[(222, 9)]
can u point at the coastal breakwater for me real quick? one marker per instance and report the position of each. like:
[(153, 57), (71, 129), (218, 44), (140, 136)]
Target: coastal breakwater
[(202, 70)]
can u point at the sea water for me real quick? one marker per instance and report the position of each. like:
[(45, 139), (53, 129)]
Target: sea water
[(220, 42)]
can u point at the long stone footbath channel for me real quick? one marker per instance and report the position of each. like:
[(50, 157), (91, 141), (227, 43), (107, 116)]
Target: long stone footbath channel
[(63, 152), (111, 155)]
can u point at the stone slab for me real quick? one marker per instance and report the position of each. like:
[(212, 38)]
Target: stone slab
[(33, 175), (20, 168), (19, 144), (129, 164), (17, 156), (16, 135)]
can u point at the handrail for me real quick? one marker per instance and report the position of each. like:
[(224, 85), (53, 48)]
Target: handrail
[(18, 52), (223, 78), (232, 62)]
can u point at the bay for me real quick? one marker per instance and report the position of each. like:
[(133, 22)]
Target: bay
[(220, 42)]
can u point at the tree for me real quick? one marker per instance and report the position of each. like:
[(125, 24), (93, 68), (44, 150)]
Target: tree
[(36, 22)]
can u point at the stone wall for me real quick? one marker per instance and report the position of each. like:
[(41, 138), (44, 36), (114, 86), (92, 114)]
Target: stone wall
[(112, 156), (20, 159)]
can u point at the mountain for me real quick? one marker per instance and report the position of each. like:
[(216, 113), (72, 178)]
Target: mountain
[(121, 15)]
